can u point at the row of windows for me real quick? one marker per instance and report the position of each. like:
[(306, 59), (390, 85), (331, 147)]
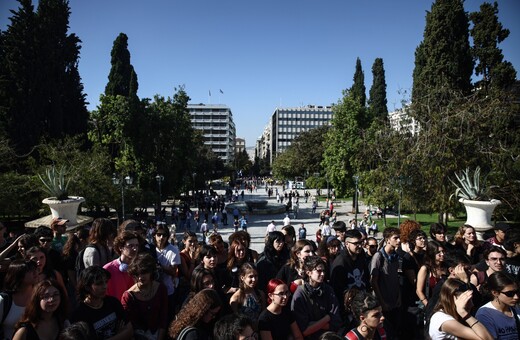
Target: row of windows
[(202, 125), (208, 117), (311, 115)]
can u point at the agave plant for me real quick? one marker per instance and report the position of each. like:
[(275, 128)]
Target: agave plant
[(54, 183), (470, 186)]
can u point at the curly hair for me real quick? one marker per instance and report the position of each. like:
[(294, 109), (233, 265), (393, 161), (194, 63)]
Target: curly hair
[(406, 228), (414, 235), (192, 313), (459, 235), (33, 310), (311, 263), (142, 264), (122, 238), (361, 303)]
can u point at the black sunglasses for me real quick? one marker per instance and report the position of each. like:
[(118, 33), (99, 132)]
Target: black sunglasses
[(511, 293)]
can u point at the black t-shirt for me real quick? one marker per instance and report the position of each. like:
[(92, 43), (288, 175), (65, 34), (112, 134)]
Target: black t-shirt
[(278, 325), (106, 321)]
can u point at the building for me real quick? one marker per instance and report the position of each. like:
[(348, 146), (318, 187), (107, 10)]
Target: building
[(240, 145), (217, 126), (401, 121), (288, 123)]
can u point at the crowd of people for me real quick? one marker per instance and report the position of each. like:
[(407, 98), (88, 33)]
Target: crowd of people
[(135, 282)]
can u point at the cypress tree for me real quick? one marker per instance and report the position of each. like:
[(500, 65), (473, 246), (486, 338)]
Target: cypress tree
[(443, 61), (122, 79), (358, 90), (487, 33), (377, 102)]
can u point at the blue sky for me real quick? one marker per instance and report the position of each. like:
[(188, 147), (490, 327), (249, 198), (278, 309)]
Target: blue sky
[(261, 54)]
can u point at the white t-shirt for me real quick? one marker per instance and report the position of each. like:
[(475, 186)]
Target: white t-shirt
[(326, 231), (438, 318), (169, 256), (270, 228), (14, 315), (499, 325)]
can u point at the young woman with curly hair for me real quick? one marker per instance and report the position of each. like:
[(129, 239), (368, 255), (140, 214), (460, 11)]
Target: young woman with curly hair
[(146, 302), (404, 231), (195, 320), (292, 272), (465, 240), (431, 271), (368, 315), (46, 313)]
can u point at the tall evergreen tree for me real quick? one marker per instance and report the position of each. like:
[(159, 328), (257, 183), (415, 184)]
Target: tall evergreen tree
[(41, 94), (487, 33), (443, 61), (377, 102), (358, 90), (122, 79)]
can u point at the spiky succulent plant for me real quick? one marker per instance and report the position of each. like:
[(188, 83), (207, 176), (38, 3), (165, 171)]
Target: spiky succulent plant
[(54, 183), (470, 186)]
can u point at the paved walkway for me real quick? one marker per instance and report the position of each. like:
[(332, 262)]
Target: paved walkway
[(257, 224)]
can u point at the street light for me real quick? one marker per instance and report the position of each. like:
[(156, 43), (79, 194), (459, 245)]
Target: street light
[(356, 181), (121, 182), (159, 179)]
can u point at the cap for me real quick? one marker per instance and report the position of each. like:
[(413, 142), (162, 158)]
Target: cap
[(502, 226), (331, 238), (59, 221)]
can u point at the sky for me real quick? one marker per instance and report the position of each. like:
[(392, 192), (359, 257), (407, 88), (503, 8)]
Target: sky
[(260, 54)]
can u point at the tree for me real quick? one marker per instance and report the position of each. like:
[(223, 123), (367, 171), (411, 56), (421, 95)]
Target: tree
[(41, 95), (122, 79), (377, 102), (342, 143), (443, 62), (487, 33), (358, 89)]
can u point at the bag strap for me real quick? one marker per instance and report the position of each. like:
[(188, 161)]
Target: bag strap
[(185, 332)]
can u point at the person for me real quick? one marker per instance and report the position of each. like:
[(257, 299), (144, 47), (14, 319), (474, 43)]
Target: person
[(431, 271), (208, 260), (495, 259), (405, 229), (104, 314), (19, 282), (169, 259), (189, 255), (242, 222), (290, 235), (45, 271), (319, 236), (452, 318), (204, 230), (500, 234), (438, 232), (512, 245), (384, 278), (45, 314), (248, 299), (500, 314), (77, 331), (292, 271), (286, 220), (58, 227), (216, 241), (276, 321), (340, 228), (302, 232), (234, 327), (101, 233), (270, 228), (370, 247), (328, 250), (195, 320), (314, 304), (465, 240), (245, 238), (274, 256), (146, 302), (368, 314), (202, 278), (53, 258), (350, 267), (236, 258)]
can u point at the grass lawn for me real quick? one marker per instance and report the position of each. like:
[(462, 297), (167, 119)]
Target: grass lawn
[(425, 220)]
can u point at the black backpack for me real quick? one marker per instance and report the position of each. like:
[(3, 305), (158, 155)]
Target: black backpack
[(80, 264)]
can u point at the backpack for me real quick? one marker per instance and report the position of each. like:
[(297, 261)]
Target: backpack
[(80, 264), (302, 233), (185, 332)]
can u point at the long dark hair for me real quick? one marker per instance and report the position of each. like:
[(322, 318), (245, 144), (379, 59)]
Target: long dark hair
[(16, 274), (497, 282), (33, 310)]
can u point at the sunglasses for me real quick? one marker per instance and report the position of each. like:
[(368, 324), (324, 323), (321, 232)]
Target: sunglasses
[(44, 240), (511, 293)]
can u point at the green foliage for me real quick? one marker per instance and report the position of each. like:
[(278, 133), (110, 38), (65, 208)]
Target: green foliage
[(377, 103), (122, 80), (358, 89), (54, 183), (41, 95), (487, 33), (443, 62)]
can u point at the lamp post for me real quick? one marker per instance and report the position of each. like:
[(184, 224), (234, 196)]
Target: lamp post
[(356, 181), (159, 178), (194, 186), (121, 182)]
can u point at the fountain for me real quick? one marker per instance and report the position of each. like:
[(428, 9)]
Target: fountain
[(256, 207)]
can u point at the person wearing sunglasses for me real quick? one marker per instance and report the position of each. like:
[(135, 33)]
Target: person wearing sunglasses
[(277, 322), (452, 318), (500, 315)]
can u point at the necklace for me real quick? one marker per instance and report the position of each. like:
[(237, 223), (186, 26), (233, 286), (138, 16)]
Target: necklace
[(91, 304)]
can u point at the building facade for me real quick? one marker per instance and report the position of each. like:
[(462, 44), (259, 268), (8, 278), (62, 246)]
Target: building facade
[(217, 126), (288, 123)]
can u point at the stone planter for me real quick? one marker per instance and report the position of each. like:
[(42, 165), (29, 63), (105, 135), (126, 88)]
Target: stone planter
[(479, 214), (67, 209)]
